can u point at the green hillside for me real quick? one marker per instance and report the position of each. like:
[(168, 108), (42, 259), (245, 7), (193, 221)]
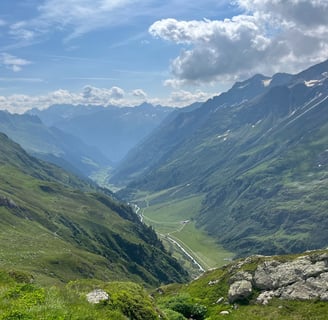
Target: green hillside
[(258, 155), (210, 297), (59, 228)]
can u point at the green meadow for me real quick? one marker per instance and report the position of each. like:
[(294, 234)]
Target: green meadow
[(173, 218)]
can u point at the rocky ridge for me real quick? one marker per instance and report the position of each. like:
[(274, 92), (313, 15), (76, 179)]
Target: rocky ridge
[(303, 278)]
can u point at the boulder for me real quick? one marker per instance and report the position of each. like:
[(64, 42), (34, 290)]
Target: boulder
[(240, 290)]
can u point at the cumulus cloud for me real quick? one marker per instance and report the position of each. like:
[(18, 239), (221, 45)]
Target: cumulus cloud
[(102, 96), (184, 98), (12, 62), (88, 96), (269, 36), (115, 96), (308, 13), (139, 93)]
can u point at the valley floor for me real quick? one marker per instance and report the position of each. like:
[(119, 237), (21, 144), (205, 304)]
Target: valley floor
[(173, 220)]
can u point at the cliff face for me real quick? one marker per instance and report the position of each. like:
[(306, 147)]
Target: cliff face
[(303, 278)]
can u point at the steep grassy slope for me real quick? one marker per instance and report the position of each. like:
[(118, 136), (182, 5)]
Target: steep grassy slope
[(259, 156), (60, 228)]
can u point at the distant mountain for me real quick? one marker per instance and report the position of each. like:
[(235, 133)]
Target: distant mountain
[(61, 112), (52, 144), (60, 228), (112, 130), (258, 153), (166, 137)]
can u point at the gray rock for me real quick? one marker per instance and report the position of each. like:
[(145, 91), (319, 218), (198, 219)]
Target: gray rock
[(273, 274), (303, 278), (241, 275), (300, 290), (97, 296), (239, 290), (311, 288), (265, 297)]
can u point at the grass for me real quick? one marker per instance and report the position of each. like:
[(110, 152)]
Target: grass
[(22, 299), (205, 248)]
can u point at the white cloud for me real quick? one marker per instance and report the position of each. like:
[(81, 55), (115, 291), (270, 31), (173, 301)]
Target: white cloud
[(81, 16), (309, 13), (12, 62), (72, 17), (184, 98), (102, 96), (19, 31), (116, 93), (90, 95), (77, 17), (270, 36), (2, 23), (139, 93)]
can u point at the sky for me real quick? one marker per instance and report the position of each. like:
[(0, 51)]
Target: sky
[(173, 52)]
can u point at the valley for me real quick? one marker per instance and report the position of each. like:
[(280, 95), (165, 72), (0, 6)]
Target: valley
[(164, 160), (173, 220), (244, 152), (209, 195)]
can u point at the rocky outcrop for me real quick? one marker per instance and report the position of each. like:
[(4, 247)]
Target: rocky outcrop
[(240, 290), (303, 278)]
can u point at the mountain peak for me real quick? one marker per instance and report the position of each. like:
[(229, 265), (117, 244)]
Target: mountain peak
[(145, 105), (256, 80), (316, 72)]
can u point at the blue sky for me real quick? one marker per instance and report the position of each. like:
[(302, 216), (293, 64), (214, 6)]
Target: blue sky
[(171, 52)]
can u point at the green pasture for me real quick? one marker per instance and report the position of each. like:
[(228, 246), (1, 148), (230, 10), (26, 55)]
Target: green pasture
[(175, 219)]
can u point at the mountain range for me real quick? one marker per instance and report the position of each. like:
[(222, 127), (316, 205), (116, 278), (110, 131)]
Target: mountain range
[(251, 162), (52, 144), (113, 130), (255, 157), (258, 155)]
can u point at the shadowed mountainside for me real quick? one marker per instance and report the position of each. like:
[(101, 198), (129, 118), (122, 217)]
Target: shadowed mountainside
[(59, 227)]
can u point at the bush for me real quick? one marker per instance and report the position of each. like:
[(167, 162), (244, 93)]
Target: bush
[(184, 305)]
